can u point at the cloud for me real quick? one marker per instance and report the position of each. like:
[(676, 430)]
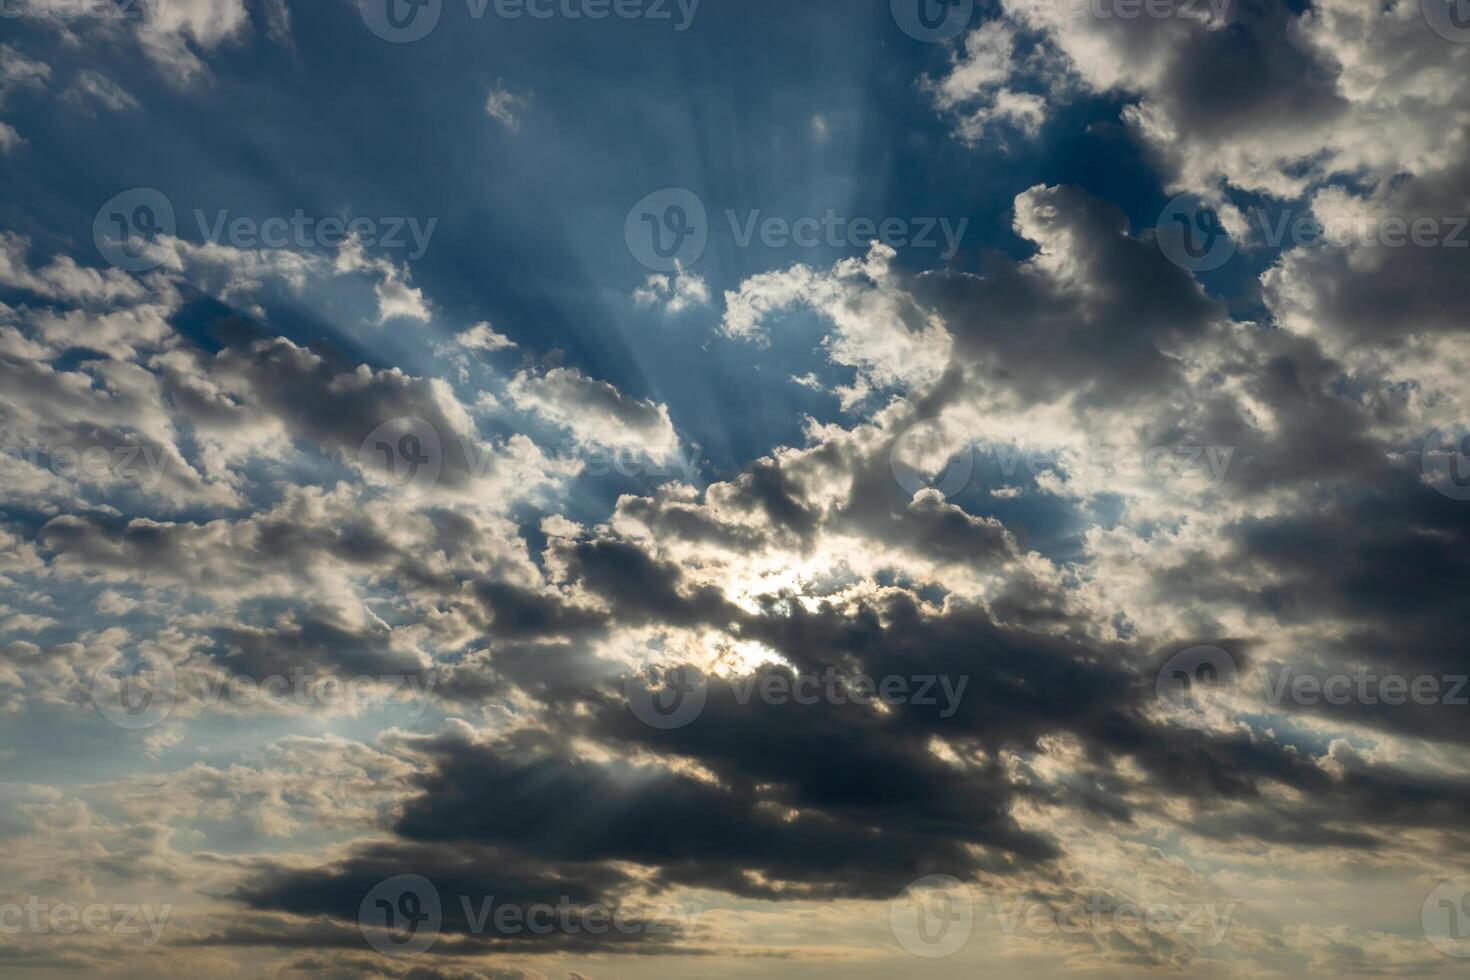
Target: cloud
[(507, 107), (91, 89), (676, 293), (595, 412)]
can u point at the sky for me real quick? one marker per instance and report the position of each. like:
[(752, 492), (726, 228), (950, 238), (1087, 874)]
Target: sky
[(622, 489)]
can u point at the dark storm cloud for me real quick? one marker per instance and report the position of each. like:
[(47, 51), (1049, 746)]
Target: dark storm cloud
[(1232, 80), (312, 643), (466, 877), (1099, 331), (641, 588)]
